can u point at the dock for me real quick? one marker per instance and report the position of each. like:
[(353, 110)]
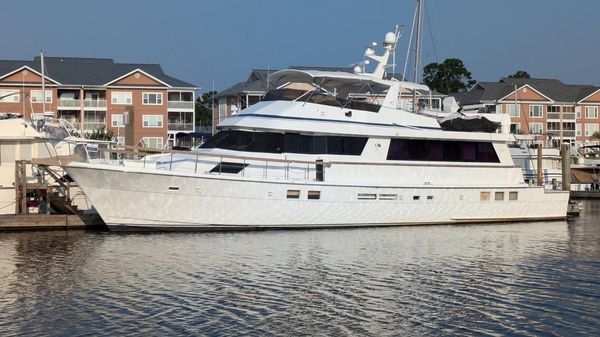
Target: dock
[(19, 222)]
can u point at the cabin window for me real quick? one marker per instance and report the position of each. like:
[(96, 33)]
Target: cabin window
[(225, 167), (440, 150), (293, 194), (513, 195), (314, 195), (484, 196), (271, 142), (416, 197), (499, 196), (430, 197)]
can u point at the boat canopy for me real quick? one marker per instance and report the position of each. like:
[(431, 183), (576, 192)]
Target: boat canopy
[(336, 79)]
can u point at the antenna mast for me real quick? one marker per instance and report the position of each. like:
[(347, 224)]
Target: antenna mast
[(418, 16), (43, 82)]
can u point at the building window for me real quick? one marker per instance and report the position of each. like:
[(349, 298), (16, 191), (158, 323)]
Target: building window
[(9, 96), (590, 128), (152, 98), (535, 111), (117, 120), (120, 140), (553, 108), (37, 96), (536, 128), (513, 110), (578, 129), (153, 142), (591, 112), (568, 108), (121, 97), (152, 121)]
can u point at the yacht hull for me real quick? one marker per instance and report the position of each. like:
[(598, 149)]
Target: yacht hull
[(164, 200)]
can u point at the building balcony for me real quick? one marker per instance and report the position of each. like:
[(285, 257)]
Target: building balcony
[(180, 127), (91, 126), (565, 115), (94, 103), (186, 105), (566, 133), (69, 103)]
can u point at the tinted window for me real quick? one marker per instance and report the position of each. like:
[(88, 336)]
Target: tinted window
[(271, 142), (439, 150)]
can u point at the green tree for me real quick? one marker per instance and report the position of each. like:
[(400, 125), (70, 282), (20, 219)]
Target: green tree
[(596, 135), (520, 74), (100, 134), (448, 77), (203, 107)]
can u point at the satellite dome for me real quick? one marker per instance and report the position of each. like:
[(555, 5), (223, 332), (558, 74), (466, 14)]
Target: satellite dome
[(390, 38)]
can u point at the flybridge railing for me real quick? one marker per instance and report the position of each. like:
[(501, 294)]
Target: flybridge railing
[(212, 163)]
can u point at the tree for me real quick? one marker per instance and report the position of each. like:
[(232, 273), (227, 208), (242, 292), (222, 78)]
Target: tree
[(203, 108), (520, 74), (448, 77), (100, 134), (596, 135)]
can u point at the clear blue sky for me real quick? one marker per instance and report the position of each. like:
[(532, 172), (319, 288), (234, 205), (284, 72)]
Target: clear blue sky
[(198, 41)]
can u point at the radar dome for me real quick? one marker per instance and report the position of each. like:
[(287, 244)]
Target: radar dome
[(390, 38)]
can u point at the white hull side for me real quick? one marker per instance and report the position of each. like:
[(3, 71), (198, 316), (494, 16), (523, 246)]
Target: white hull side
[(144, 200)]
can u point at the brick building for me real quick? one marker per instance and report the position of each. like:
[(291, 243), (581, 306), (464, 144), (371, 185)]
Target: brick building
[(92, 93), (539, 106)]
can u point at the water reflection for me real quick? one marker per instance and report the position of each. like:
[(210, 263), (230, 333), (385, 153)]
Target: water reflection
[(507, 279)]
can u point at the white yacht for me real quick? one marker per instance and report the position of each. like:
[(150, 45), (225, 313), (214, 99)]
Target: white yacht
[(322, 149)]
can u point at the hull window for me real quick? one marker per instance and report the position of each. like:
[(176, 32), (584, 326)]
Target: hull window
[(499, 196), (367, 196), (314, 195), (484, 196), (513, 195), (293, 194), (440, 150)]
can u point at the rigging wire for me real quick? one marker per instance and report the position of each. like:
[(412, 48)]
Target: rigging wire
[(409, 45)]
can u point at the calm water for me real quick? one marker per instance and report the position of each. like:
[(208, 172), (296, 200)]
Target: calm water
[(529, 279)]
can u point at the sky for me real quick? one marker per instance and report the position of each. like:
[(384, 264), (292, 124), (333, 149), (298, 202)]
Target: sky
[(221, 41)]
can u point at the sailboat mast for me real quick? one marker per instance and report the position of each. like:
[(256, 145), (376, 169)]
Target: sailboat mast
[(43, 82), (418, 16)]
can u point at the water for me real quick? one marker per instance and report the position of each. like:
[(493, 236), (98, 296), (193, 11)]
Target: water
[(527, 279)]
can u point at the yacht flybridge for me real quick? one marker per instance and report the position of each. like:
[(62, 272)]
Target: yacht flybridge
[(322, 149)]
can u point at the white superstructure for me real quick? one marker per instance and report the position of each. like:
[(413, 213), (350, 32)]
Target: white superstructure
[(314, 157)]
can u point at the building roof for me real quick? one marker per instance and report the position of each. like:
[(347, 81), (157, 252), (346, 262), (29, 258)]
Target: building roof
[(554, 89), (88, 71)]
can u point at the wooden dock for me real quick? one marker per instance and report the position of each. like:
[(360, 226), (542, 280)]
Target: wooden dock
[(585, 194), (50, 222)]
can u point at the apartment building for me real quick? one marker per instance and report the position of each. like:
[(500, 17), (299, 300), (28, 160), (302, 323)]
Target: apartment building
[(138, 102), (241, 95), (539, 107)]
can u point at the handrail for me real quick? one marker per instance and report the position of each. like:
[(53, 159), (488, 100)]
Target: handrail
[(140, 151)]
